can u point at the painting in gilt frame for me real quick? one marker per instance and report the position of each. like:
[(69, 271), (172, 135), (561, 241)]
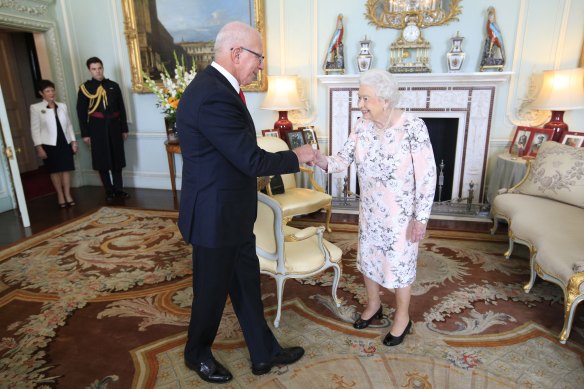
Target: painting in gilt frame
[(573, 138), (155, 31)]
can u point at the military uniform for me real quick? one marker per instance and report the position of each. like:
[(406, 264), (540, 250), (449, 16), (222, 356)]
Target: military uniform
[(102, 118)]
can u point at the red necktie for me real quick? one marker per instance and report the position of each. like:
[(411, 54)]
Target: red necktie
[(242, 96)]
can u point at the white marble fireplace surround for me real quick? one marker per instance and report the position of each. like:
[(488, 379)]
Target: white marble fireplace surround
[(468, 97)]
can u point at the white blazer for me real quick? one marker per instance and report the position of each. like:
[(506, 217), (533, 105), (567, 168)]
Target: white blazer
[(43, 125)]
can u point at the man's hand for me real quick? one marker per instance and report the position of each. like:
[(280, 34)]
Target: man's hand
[(415, 231), (87, 140), (305, 154), (125, 135), (321, 161)]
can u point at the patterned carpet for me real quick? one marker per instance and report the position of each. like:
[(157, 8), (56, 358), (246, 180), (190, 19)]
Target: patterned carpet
[(103, 302)]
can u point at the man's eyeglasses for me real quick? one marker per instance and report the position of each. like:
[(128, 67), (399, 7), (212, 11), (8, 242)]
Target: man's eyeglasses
[(258, 55)]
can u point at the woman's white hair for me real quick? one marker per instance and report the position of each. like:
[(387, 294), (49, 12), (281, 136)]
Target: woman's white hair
[(383, 83)]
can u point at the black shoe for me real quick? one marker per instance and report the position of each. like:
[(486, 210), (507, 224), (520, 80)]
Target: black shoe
[(109, 196), (285, 357), (361, 323), (120, 194), (391, 340), (211, 371)]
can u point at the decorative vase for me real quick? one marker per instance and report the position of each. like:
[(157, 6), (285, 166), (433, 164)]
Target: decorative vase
[(171, 133), (455, 57), (364, 58)]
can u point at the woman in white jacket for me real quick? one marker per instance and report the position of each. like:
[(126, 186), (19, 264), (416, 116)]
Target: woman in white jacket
[(54, 140)]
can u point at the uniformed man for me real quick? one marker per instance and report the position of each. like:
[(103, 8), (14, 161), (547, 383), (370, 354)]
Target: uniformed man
[(102, 118)]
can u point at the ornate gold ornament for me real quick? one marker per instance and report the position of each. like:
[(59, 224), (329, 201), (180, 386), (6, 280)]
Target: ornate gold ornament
[(397, 13), (410, 53)]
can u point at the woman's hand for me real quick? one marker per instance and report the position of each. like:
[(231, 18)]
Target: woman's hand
[(41, 153), (416, 231), (74, 147)]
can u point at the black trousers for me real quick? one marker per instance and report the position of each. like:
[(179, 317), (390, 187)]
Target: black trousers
[(233, 271), (106, 180)]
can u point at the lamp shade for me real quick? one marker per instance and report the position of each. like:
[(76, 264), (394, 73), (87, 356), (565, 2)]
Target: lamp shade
[(561, 90), (282, 94)]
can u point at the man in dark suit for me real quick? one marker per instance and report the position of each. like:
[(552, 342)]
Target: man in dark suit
[(102, 118), (218, 207)]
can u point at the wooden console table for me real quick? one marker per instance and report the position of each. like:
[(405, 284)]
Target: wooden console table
[(171, 149)]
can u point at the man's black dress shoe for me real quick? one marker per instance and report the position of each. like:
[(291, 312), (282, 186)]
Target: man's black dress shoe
[(391, 340), (211, 371), (109, 196), (120, 194), (285, 357), (361, 323)]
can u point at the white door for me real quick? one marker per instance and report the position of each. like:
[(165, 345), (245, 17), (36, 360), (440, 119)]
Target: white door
[(8, 156)]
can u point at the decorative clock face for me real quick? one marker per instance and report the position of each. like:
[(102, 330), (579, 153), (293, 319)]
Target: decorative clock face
[(411, 33)]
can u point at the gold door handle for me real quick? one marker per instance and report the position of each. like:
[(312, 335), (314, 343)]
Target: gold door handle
[(9, 153), (18, 150)]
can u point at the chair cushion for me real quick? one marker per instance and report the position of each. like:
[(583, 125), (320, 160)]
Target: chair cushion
[(557, 173), (300, 201), (306, 254)]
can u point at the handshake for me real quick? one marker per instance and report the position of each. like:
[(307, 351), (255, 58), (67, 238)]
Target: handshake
[(306, 154)]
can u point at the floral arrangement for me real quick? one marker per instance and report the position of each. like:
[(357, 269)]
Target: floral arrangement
[(171, 90)]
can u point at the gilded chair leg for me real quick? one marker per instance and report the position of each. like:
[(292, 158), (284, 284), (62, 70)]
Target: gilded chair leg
[(510, 249), (328, 217), (495, 225), (280, 292), (533, 275), (336, 279)]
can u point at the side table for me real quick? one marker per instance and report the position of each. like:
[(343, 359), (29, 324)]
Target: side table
[(509, 170), (171, 149)]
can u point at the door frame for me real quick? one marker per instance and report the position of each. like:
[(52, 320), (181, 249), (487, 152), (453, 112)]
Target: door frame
[(50, 34)]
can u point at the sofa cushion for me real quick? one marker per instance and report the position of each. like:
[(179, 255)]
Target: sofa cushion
[(557, 173)]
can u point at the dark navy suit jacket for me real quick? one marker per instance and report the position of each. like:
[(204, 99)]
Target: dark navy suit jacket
[(221, 162)]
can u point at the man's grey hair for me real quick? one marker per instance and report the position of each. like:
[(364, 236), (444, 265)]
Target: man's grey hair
[(233, 34), (383, 83)]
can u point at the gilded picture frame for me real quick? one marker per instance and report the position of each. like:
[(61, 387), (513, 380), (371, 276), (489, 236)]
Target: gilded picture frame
[(140, 46)]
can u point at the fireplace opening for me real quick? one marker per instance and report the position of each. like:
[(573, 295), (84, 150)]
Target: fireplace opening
[(443, 136)]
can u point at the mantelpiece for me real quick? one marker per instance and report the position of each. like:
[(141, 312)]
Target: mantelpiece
[(469, 97)]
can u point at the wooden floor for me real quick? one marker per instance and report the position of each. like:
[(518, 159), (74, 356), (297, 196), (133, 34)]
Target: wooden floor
[(44, 212)]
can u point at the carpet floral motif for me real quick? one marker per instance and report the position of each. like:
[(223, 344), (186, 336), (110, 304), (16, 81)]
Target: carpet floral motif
[(132, 270)]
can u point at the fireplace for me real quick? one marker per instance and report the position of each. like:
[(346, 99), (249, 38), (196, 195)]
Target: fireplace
[(457, 108)]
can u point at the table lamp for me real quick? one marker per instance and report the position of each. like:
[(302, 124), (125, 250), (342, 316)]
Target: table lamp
[(282, 96), (561, 90)]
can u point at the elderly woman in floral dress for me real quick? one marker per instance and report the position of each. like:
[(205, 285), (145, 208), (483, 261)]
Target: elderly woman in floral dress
[(397, 177)]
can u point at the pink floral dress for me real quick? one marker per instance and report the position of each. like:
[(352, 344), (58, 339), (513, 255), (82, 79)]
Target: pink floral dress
[(397, 179)]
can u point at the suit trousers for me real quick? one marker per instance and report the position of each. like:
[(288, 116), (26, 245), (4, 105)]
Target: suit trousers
[(106, 180), (217, 273)]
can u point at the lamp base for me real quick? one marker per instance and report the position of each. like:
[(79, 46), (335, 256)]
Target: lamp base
[(283, 124), (557, 124)]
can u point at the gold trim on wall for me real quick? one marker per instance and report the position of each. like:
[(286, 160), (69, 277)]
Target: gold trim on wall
[(132, 38)]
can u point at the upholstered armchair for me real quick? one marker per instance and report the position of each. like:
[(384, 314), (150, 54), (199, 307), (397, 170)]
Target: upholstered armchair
[(297, 201), (286, 252)]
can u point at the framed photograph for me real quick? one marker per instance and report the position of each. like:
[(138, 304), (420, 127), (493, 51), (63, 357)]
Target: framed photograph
[(538, 136), (155, 31), (295, 139), (520, 143), (310, 136), (571, 138), (275, 132)]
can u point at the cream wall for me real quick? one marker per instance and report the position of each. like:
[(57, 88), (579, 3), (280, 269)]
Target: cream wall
[(538, 35)]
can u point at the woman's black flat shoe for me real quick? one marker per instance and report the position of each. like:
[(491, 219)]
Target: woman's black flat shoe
[(391, 340), (71, 203), (62, 205), (361, 323)]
